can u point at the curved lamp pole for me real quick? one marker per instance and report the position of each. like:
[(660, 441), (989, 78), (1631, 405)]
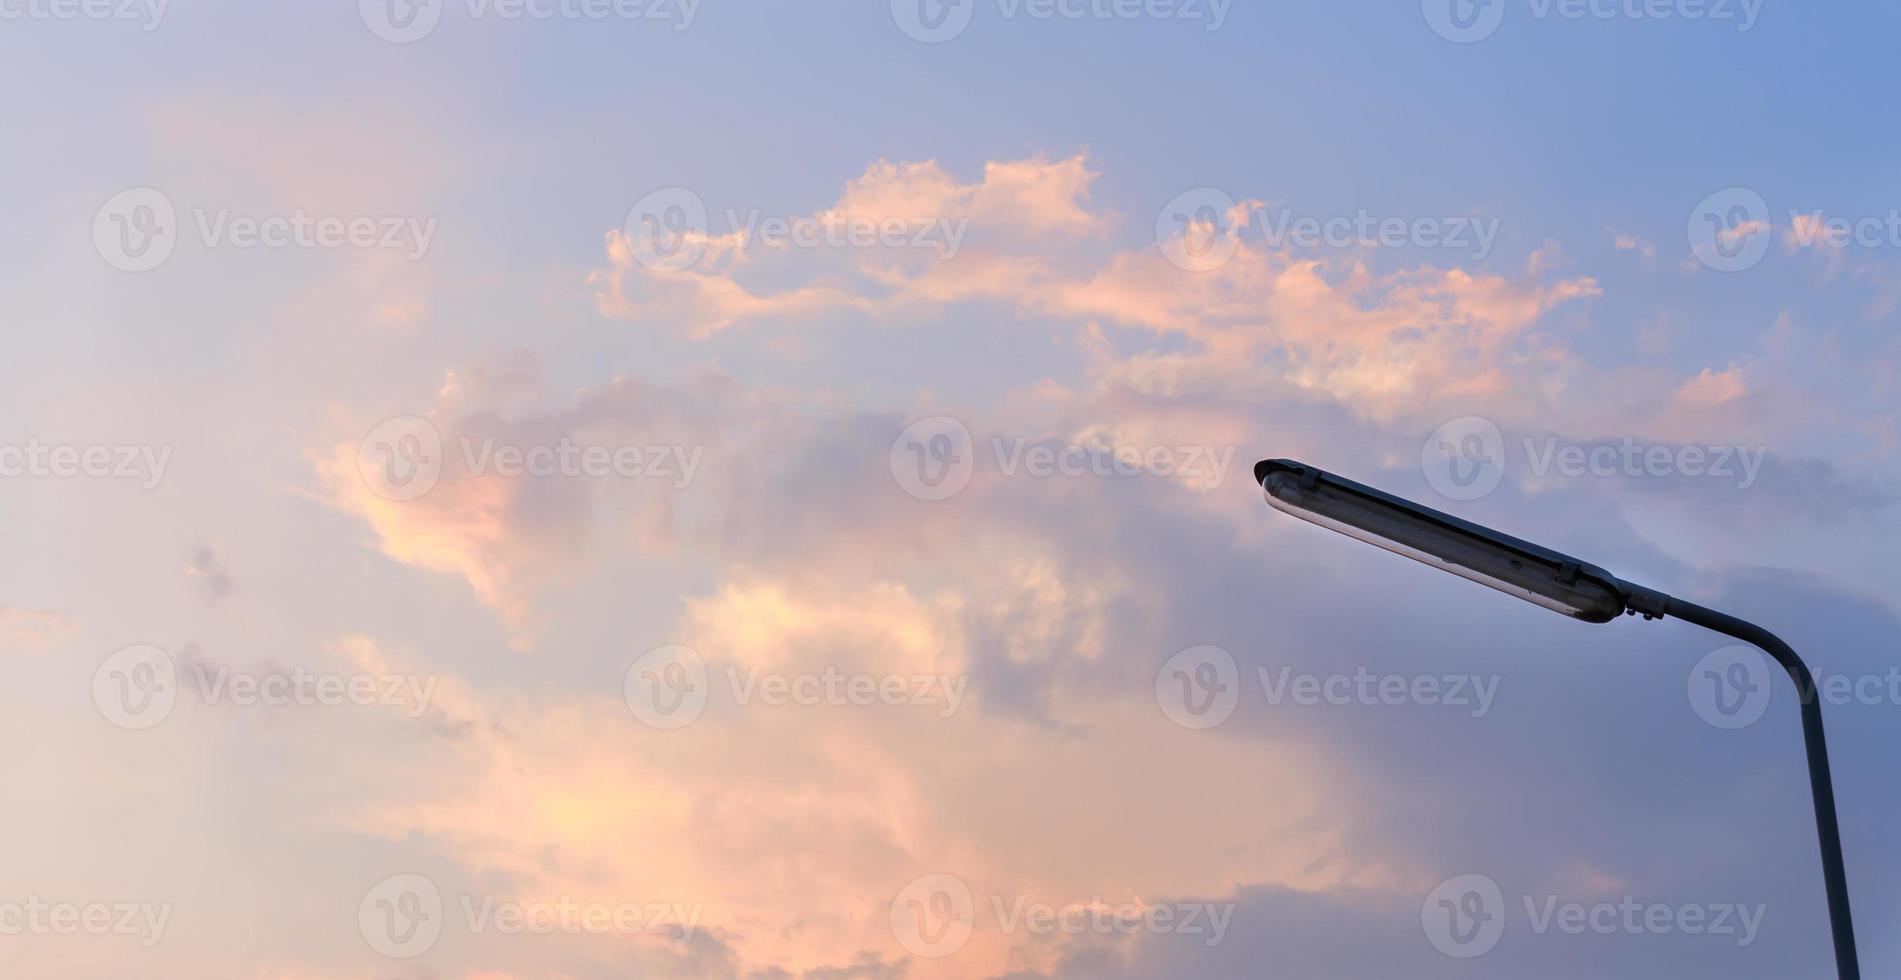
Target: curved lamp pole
[(1565, 585)]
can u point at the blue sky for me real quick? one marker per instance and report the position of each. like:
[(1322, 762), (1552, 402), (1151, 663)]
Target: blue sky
[(794, 410)]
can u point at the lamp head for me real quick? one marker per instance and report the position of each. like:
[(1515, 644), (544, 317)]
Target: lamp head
[(1554, 581)]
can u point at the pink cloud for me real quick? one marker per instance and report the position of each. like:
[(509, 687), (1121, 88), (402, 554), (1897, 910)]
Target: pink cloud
[(23, 629)]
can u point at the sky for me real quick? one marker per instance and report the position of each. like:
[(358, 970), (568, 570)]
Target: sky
[(505, 489)]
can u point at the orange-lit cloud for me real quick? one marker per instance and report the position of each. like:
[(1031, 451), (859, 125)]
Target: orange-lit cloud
[(31, 629)]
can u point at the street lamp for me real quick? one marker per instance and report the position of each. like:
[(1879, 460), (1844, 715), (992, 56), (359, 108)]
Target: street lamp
[(1567, 585)]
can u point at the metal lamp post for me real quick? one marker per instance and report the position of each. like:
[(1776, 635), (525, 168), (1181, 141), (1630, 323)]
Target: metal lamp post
[(1567, 585)]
